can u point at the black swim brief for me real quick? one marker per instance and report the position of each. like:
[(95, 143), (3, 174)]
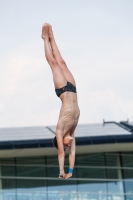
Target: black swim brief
[(69, 88)]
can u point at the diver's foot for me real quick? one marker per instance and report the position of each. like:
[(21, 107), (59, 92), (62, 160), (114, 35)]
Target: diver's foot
[(68, 175), (51, 35), (45, 31)]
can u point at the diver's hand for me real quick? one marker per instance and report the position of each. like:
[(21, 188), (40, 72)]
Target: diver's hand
[(62, 176), (68, 175)]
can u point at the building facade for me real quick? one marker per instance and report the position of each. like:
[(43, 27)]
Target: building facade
[(103, 166)]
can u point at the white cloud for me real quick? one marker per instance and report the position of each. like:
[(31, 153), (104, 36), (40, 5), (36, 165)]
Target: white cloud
[(105, 104), (1, 106)]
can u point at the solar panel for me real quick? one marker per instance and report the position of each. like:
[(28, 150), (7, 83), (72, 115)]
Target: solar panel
[(130, 123), (25, 133), (41, 132), (84, 130)]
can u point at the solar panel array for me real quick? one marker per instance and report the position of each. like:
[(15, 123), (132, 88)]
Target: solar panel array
[(84, 130), (130, 123), (25, 133), (42, 132)]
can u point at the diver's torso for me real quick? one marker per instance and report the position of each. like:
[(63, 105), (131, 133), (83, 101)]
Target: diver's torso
[(69, 113)]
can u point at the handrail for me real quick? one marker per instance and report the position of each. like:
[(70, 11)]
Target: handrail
[(71, 179), (76, 166), (65, 192)]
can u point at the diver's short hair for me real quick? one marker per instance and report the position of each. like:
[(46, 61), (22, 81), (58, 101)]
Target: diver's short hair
[(55, 144)]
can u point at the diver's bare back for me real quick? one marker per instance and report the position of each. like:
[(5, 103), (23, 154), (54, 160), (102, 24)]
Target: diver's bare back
[(69, 113)]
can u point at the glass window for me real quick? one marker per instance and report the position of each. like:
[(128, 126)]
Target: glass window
[(32, 188), (84, 170), (62, 189), (31, 167), (90, 160), (31, 160), (127, 162), (111, 159), (127, 159), (8, 185), (113, 171), (129, 197), (93, 173), (8, 169), (91, 186), (92, 196), (128, 174), (52, 166)]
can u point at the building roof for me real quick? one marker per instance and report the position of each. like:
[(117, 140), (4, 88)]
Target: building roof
[(85, 130), (128, 125), (25, 133), (41, 136)]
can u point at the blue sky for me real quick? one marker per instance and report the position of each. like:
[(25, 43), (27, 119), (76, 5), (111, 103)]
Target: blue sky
[(95, 38)]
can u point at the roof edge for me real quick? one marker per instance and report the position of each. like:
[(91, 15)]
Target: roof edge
[(42, 143)]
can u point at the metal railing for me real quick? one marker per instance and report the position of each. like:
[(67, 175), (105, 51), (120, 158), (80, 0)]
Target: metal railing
[(70, 179), (76, 166)]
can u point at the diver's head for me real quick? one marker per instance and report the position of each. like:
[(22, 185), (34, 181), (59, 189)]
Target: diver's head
[(67, 141), (54, 141)]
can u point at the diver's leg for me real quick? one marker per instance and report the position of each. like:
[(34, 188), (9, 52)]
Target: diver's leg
[(58, 76), (57, 55)]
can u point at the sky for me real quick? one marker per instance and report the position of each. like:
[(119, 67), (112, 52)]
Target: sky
[(95, 38)]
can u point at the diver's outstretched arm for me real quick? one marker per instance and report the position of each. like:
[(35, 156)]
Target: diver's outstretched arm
[(61, 153), (71, 158)]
